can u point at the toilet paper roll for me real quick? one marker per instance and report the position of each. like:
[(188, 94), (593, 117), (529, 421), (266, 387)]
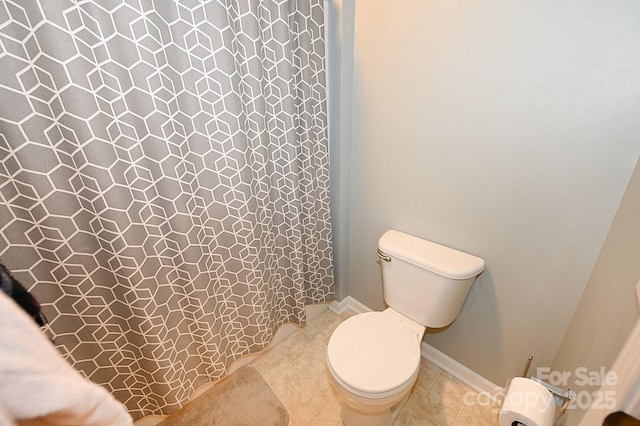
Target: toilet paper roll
[(529, 403)]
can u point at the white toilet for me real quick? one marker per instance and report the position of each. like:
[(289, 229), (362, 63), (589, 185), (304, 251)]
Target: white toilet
[(374, 358)]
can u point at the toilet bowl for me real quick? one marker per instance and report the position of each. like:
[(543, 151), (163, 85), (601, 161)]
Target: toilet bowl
[(374, 358)]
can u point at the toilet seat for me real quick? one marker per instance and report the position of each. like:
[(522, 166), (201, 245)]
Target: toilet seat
[(375, 354)]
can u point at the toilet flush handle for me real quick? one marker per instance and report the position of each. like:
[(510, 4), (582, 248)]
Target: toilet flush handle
[(383, 256)]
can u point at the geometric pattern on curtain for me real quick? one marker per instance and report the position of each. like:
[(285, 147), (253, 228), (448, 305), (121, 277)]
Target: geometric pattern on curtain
[(164, 184)]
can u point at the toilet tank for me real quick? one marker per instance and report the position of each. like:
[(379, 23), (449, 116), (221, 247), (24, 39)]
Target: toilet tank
[(425, 281)]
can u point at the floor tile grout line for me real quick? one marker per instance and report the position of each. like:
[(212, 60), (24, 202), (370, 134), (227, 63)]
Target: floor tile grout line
[(417, 407)]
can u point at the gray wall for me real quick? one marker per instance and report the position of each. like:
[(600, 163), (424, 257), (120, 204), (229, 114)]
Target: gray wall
[(339, 33), (608, 309), (504, 129)]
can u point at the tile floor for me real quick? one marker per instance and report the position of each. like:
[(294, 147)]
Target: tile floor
[(295, 369)]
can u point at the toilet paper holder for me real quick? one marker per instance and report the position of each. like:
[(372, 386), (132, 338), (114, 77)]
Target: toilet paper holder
[(562, 397)]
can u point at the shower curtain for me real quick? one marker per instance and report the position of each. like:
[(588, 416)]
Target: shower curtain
[(164, 181)]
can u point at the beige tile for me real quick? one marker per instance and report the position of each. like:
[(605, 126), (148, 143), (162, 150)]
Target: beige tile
[(405, 413), (331, 327), (306, 406), (271, 365), (327, 418), (467, 419), (293, 347), (420, 418), (411, 404), (313, 333), (428, 372), (287, 385), (347, 314), (440, 407), (478, 405), (319, 348), (327, 319), (293, 421), (328, 392), (419, 390), (312, 364), (450, 387), (490, 415)]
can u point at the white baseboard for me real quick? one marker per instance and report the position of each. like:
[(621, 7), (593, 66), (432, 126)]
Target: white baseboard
[(467, 376), (339, 306)]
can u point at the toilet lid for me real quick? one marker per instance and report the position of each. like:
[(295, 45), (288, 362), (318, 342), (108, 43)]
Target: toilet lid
[(374, 352)]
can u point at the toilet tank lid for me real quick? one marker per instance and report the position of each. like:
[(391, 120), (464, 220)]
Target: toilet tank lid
[(441, 260)]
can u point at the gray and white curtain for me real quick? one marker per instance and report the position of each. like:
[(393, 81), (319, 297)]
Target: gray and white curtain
[(164, 181)]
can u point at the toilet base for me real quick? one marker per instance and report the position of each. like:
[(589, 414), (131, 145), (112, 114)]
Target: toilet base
[(353, 417)]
